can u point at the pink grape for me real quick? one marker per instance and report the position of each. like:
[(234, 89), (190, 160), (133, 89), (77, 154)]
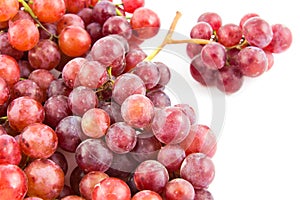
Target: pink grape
[(179, 189), (230, 79), (171, 156), (213, 55), (10, 151), (212, 18)]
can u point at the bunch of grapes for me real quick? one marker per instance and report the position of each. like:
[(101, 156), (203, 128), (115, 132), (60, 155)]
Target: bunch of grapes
[(75, 81), (223, 54)]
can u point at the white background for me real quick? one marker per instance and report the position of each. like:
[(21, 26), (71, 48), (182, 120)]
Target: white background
[(258, 150)]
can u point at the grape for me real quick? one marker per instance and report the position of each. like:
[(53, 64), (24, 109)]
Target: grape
[(193, 50), (9, 69), (38, 141), (88, 183), (58, 87), (246, 17), (201, 139), (2, 130), (252, 61), (130, 6), (126, 85), (10, 151), (86, 15), (170, 125), (45, 55), (74, 41), (165, 73), (122, 166), (72, 197), (229, 79), (7, 49), (45, 179), (189, 111), (27, 88), (270, 58), (24, 111), (102, 11), (92, 74), (68, 131), (81, 99), (4, 91), (213, 55), (212, 18), (117, 25), (107, 50), (171, 156), (146, 148), (232, 56), (179, 189), (257, 32), (51, 30), (67, 190), (145, 23), (8, 9), (75, 177), (111, 188), (60, 159), (133, 57), (203, 195), (148, 72), (202, 30), (198, 169), (13, 182), (93, 155), (69, 19), (121, 138), (42, 78), (95, 122), (23, 34), (137, 110), (76, 6), (71, 69), (95, 31), (151, 175), (229, 35), (159, 98), (33, 198), (146, 195), (25, 68), (282, 39), (48, 11)]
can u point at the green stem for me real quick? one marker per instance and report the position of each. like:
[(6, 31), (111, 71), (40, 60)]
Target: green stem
[(4, 118)]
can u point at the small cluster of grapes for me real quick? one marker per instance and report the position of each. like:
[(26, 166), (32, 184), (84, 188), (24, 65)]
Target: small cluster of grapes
[(223, 54), (73, 79)]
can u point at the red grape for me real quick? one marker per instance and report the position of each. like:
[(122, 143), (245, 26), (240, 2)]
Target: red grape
[(45, 55), (76, 6), (72, 197), (257, 32), (146, 195), (71, 69), (213, 55), (42, 78), (203, 195), (86, 15), (202, 30), (189, 111), (201, 139), (111, 189), (246, 17), (198, 169), (38, 141), (159, 98), (88, 183), (230, 79), (48, 11), (27, 88), (93, 155), (23, 34), (117, 25), (133, 57), (74, 41), (24, 111), (179, 189), (9, 69), (170, 125), (229, 35), (212, 18), (148, 72), (45, 179), (151, 175), (4, 91), (130, 5), (95, 122), (137, 110), (69, 19), (171, 156), (282, 39), (7, 49), (102, 11), (121, 138), (252, 61), (8, 9), (61, 160), (13, 182), (145, 23), (10, 151), (95, 31), (58, 87)]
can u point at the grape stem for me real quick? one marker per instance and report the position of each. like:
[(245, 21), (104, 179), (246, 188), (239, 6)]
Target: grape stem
[(31, 13)]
